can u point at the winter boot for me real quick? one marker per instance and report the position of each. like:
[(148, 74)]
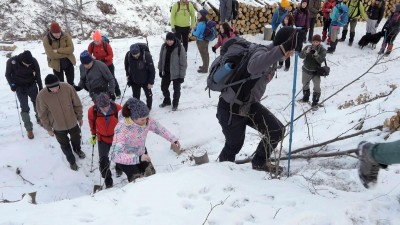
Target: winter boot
[(315, 99), (280, 66), (332, 48), (30, 135), (306, 95), (368, 169), (344, 33), (166, 102), (80, 153), (352, 34), (267, 167), (108, 182), (27, 121), (389, 49), (323, 36), (382, 50), (118, 171), (286, 69), (73, 167), (175, 107)]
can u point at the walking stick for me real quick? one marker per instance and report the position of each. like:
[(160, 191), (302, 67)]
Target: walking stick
[(19, 116), (91, 165), (122, 98)]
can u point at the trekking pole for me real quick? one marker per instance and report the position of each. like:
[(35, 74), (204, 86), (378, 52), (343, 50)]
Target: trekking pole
[(195, 60), (122, 98), (91, 165), (19, 116)]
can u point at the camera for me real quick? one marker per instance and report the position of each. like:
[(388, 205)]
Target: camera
[(312, 51)]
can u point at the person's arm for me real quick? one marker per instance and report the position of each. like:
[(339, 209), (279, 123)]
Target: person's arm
[(37, 74), (151, 71), (89, 49), (381, 12), (107, 75), (76, 103), (43, 112), (126, 63), (320, 56), (82, 80), (273, 23), (160, 59), (110, 53), (263, 58), (362, 11), (182, 63), (157, 128), (173, 14), (69, 49), (303, 52), (49, 50), (228, 11), (218, 44), (9, 77)]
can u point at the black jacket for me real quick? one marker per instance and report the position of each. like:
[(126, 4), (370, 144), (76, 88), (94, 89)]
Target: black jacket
[(375, 12), (22, 76), (140, 71)]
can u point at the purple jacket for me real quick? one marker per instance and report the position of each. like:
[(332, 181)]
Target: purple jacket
[(301, 18)]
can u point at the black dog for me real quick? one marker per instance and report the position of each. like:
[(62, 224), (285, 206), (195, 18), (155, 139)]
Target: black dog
[(370, 38)]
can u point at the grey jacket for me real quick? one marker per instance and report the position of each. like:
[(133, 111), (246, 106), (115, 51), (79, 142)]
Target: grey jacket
[(177, 64), (97, 79), (314, 6), (225, 10)]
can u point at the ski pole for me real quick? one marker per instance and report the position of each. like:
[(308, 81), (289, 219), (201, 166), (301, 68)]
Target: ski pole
[(19, 116), (91, 165), (122, 98)]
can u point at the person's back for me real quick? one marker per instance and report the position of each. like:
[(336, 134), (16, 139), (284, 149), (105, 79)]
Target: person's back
[(183, 19)]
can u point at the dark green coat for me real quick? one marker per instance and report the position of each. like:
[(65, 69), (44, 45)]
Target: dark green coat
[(311, 61)]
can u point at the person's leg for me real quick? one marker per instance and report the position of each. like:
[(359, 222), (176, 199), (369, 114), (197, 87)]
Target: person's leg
[(22, 95), (287, 63), (70, 73), (311, 30), (32, 93), (76, 138), (386, 153), (136, 88), (203, 49), (185, 37), (117, 89), (353, 24), (149, 96), (104, 163), (129, 170), (177, 92), (165, 82), (344, 33), (63, 140), (324, 29), (60, 75)]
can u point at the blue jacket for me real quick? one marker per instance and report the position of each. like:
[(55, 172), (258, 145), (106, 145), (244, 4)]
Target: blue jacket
[(335, 16), (198, 31), (278, 17)]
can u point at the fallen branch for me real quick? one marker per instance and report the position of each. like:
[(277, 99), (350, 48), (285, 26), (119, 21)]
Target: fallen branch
[(323, 155), (18, 172), (212, 208)]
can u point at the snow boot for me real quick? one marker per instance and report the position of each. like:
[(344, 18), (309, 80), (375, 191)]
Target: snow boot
[(344, 33), (332, 48), (149, 170), (166, 102), (30, 135), (368, 169), (315, 99), (323, 36), (352, 34), (389, 49), (306, 95), (80, 153), (328, 41), (108, 182), (27, 121), (280, 66), (74, 167)]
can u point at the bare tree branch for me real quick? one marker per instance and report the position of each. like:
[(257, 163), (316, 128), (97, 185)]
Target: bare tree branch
[(212, 208)]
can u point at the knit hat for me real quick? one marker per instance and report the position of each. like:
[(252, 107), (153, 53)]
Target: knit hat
[(170, 36), (316, 37), (26, 57), (303, 1), (137, 108), (203, 13), (51, 81), (55, 27), (97, 36), (283, 35), (134, 49), (285, 3), (102, 100), (86, 58)]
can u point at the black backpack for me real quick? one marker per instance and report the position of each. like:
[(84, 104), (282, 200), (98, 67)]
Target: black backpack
[(105, 42), (235, 9)]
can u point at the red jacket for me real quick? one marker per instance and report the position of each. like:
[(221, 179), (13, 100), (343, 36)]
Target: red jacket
[(223, 39), (103, 130), (101, 54), (327, 8)]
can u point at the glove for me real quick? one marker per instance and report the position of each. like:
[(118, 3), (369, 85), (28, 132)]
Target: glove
[(93, 140), (160, 74), (129, 83), (181, 80), (214, 49), (13, 87), (77, 88), (112, 96), (173, 30)]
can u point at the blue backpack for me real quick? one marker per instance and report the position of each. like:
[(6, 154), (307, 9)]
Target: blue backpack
[(210, 33), (343, 18)]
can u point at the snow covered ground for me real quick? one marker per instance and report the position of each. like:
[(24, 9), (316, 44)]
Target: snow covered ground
[(319, 191)]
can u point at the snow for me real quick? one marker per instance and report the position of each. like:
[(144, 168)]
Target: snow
[(319, 191)]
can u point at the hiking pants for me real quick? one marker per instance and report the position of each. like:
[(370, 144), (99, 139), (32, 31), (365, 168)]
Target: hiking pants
[(307, 78), (386, 153), (371, 29), (311, 29), (69, 73), (334, 31), (117, 90), (64, 140), (205, 57), (149, 94), (23, 93), (259, 118), (165, 82), (104, 161), (287, 63), (182, 33), (327, 24), (353, 24)]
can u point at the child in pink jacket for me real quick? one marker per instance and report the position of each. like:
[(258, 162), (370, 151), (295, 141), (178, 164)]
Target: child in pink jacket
[(130, 153), (225, 32)]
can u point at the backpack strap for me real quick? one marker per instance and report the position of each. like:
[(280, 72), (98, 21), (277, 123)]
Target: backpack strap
[(104, 46)]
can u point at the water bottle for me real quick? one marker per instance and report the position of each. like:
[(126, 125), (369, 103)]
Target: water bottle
[(222, 72)]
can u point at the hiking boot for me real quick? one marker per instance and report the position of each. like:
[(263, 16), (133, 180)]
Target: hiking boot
[(306, 95), (286, 69), (280, 66), (267, 167), (109, 182), (381, 51), (149, 170), (30, 135), (330, 50), (80, 154), (73, 167), (368, 169), (174, 108), (162, 105), (350, 44), (202, 70)]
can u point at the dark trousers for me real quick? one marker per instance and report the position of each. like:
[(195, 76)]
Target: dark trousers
[(64, 140), (165, 82), (69, 73), (23, 93), (112, 70), (182, 33), (287, 63), (149, 94), (260, 119), (311, 31), (104, 161), (133, 170), (327, 24)]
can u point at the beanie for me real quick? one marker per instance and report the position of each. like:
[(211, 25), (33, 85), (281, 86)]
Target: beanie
[(102, 100), (86, 58), (55, 27), (316, 37), (285, 3), (283, 35), (97, 36), (26, 57), (170, 36), (203, 13), (137, 108), (51, 80), (134, 49)]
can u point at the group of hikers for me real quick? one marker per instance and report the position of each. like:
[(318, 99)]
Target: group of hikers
[(123, 129)]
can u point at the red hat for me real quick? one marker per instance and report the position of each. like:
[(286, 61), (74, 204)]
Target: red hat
[(97, 36), (55, 27)]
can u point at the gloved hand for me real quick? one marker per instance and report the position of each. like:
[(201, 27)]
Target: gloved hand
[(214, 49), (112, 97), (160, 74), (77, 88), (173, 30), (93, 140), (308, 49), (129, 82), (13, 87)]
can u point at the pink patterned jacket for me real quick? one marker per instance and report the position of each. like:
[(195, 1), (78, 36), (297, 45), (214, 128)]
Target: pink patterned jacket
[(130, 140)]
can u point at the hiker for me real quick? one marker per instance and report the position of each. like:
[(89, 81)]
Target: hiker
[(130, 153), (327, 9), (172, 66), (335, 25), (278, 16), (183, 19), (313, 55), (375, 14), (95, 76), (101, 50), (225, 11), (239, 106), (60, 112), (202, 44), (302, 21), (288, 21), (140, 71), (225, 32), (372, 157), (391, 29), (102, 118), (23, 76), (356, 9), (314, 7), (59, 49)]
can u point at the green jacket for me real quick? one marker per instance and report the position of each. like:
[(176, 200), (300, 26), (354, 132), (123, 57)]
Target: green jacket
[(183, 17), (356, 9), (311, 61)]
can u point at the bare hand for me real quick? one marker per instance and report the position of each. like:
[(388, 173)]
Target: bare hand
[(80, 122), (316, 53), (288, 54), (308, 50), (149, 86), (146, 158), (50, 132)]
